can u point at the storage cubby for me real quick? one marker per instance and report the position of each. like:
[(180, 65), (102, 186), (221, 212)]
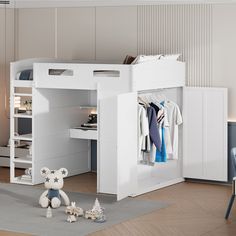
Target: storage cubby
[(21, 138)]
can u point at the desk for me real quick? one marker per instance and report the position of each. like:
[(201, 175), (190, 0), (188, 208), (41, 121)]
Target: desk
[(91, 135)]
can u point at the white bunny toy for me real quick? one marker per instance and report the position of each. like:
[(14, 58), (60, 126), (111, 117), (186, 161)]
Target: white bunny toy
[(53, 183)]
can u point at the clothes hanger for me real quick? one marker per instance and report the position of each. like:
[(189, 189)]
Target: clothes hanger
[(141, 100)]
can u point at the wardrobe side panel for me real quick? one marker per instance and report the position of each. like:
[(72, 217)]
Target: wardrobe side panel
[(193, 133), (215, 116)]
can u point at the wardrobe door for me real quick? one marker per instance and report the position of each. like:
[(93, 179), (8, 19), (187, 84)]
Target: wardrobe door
[(127, 137), (193, 133), (205, 133), (118, 145)]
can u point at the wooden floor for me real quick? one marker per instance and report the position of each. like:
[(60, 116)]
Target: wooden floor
[(195, 209)]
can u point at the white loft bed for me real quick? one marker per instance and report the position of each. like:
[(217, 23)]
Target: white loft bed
[(119, 77), (114, 89)]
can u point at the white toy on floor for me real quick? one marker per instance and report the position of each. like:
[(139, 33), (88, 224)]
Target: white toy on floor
[(53, 183), (71, 218), (96, 213), (74, 210), (49, 212)]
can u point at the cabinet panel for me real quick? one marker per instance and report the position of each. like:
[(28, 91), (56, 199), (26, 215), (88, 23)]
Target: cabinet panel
[(107, 146), (193, 133), (118, 145), (205, 133), (215, 110), (127, 145)]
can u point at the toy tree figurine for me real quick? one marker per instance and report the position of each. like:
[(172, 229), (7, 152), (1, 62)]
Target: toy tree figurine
[(96, 213), (97, 207)]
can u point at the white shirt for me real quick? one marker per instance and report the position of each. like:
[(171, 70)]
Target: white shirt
[(143, 129), (175, 119)]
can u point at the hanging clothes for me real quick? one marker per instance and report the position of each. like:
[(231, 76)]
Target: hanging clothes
[(143, 130), (161, 155), (163, 124), (155, 107), (153, 128), (163, 114), (175, 119), (158, 130)]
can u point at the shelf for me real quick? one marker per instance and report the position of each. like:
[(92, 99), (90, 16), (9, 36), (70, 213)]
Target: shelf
[(22, 83), (23, 160), (26, 137), (22, 115), (88, 107), (23, 94), (84, 133), (18, 180)]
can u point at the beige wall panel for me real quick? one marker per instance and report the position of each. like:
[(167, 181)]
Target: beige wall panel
[(76, 33), (184, 29), (116, 32), (6, 56), (224, 52), (36, 33)]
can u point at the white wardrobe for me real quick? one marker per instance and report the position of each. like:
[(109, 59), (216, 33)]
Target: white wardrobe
[(205, 133), (114, 89)]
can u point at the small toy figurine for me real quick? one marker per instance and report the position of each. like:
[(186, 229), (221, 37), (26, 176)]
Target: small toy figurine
[(53, 183), (96, 213), (74, 210), (71, 218), (49, 212)]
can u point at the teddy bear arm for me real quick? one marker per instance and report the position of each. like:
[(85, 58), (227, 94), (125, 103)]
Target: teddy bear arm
[(43, 195), (64, 197)]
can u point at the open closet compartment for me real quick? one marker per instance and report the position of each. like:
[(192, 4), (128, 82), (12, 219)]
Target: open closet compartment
[(165, 168), (119, 149)]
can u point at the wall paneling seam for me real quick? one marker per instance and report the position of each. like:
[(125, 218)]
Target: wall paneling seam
[(56, 34)]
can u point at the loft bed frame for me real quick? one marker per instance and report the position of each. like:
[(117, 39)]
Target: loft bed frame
[(59, 89)]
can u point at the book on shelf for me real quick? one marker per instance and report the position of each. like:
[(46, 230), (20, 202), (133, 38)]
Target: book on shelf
[(85, 128), (88, 125)]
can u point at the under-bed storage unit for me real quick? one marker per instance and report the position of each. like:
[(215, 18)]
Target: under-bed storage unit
[(61, 89)]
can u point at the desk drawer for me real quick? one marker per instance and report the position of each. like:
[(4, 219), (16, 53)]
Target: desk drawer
[(84, 134)]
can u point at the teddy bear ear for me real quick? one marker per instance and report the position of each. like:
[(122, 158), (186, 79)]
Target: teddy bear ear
[(63, 171), (44, 171)]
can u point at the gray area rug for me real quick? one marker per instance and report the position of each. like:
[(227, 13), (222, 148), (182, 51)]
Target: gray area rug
[(20, 212)]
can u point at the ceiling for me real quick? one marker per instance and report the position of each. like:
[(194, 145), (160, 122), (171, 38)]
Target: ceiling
[(74, 3)]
